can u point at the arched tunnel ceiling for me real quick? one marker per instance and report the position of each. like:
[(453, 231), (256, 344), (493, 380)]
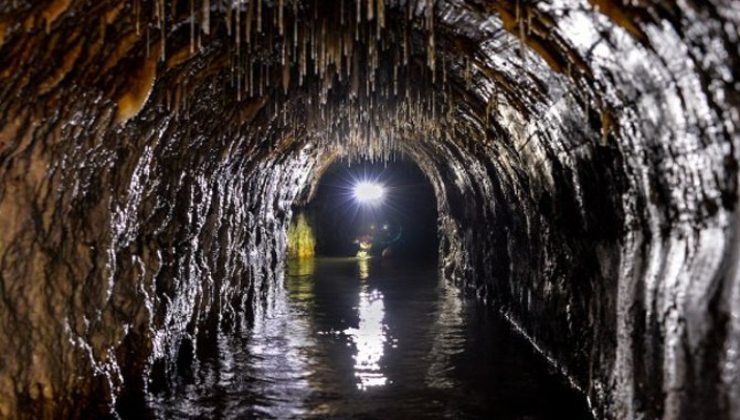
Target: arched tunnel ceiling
[(150, 152)]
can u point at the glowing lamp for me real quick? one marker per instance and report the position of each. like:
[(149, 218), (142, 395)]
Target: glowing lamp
[(369, 192)]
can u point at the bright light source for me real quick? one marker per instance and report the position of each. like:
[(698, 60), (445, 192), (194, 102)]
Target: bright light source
[(369, 192)]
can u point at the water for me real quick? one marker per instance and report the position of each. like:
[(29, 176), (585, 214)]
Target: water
[(373, 339)]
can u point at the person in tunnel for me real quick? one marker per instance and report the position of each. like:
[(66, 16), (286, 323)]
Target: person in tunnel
[(389, 238), (364, 245), (378, 240)]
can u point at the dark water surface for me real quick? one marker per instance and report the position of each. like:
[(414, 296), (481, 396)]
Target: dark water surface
[(373, 339)]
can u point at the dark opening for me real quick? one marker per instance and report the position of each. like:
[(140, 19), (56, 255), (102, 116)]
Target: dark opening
[(402, 224), (377, 335)]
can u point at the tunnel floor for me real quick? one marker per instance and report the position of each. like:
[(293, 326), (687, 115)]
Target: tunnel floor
[(373, 339)]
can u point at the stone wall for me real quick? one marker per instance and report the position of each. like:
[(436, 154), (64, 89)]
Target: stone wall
[(583, 154)]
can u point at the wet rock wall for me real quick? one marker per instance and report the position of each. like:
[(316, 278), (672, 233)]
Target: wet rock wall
[(583, 154), (122, 244), (609, 239)]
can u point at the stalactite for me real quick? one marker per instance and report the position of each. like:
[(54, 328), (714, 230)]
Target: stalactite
[(381, 14), (324, 53), (281, 7), (163, 31), (192, 26), (358, 15), (522, 34), (137, 19), (248, 22), (206, 12), (259, 16), (229, 17)]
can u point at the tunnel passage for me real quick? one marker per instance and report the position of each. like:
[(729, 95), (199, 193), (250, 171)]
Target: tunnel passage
[(582, 153), (401, 223)]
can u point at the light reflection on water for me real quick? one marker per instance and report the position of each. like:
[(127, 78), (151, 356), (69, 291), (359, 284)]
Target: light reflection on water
[(447, 341), (369, 339), (359, 338), (363, 268), (301, 267)]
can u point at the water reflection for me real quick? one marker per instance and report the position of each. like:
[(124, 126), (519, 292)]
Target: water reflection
[(301, 267), (329, 348), (448, 338), (363, 266), (369, 339)]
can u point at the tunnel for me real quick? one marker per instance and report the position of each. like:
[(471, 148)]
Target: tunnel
[(581, 156), (398, 216)]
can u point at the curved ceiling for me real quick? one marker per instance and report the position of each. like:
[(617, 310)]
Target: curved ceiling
[(594, 140)]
